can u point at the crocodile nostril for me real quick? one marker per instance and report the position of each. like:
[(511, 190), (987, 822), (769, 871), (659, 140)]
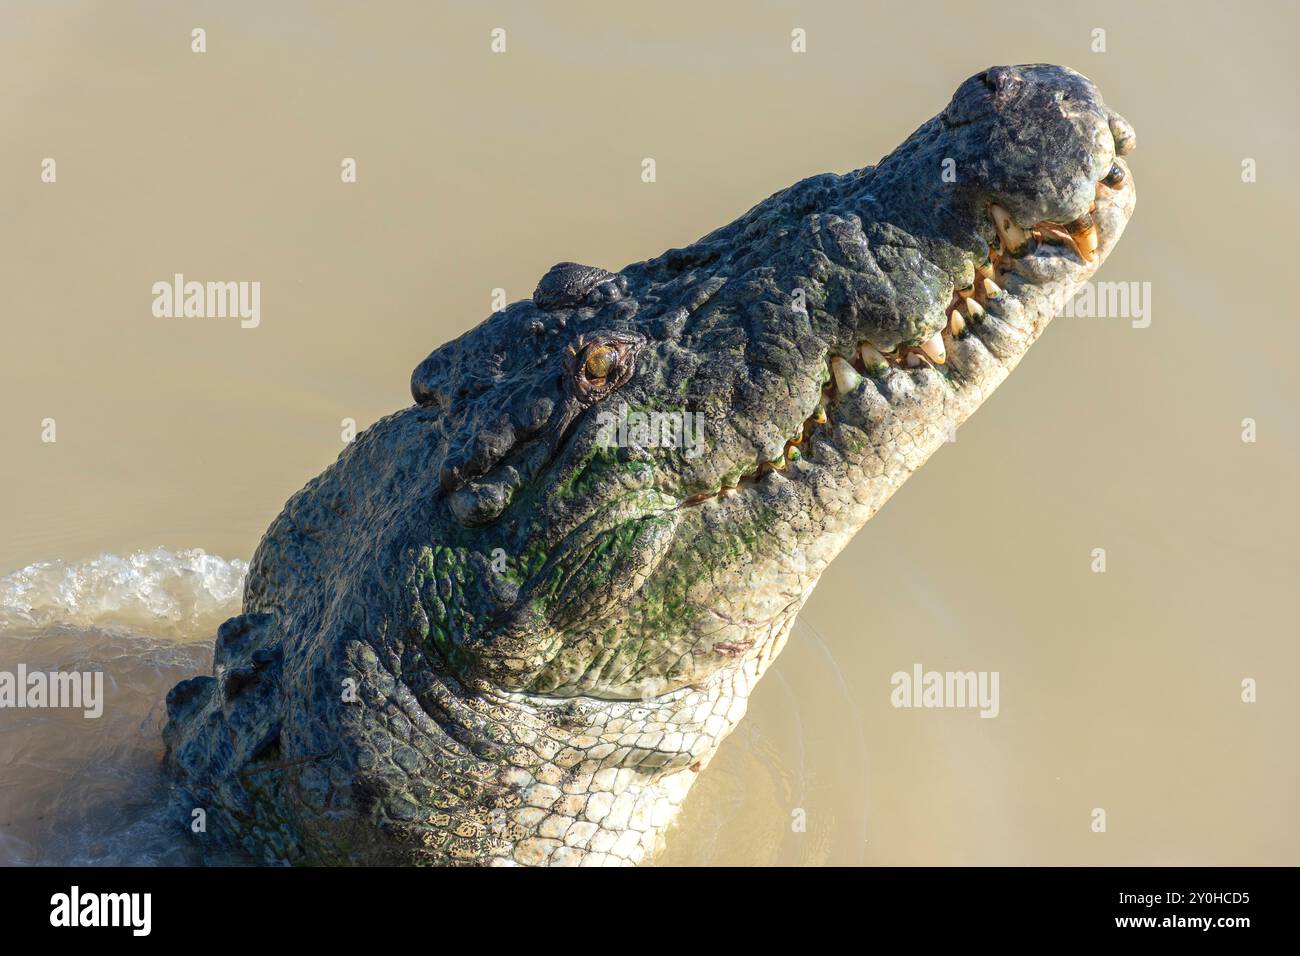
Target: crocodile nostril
[(1123, 133)]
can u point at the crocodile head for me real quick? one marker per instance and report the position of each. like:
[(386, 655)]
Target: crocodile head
[(513, 622)]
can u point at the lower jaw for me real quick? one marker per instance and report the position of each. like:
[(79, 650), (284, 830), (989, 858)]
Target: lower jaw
[(883, 420), (991, 325), (1025, 272)]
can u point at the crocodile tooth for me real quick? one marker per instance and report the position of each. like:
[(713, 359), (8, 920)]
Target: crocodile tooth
[(1088, 244), (985, 271), (1083, 233), (974, 309), (1011, 236), (846, 376), (871, 358), (956, 324), (991, 289), (819, 415), (933, 346), (794, 454)]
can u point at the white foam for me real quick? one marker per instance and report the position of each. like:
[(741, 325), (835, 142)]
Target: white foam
[(181, 594)]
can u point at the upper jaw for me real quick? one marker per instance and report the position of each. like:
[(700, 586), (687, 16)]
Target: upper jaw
[(990, 325), (924, 390)]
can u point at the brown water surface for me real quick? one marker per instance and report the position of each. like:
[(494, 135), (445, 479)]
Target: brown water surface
[(1120, 691)]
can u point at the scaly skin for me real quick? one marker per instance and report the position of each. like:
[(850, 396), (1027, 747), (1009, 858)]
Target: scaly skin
[(487, 635)]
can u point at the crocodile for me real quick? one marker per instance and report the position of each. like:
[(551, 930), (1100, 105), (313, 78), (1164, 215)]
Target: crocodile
[(513, 622)]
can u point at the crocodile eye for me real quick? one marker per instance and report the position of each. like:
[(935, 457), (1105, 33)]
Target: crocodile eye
[(1115, 178), (601, 361), (598, 367)]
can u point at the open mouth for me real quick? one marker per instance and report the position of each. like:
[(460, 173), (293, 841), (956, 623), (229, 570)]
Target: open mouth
[(968, 310), (968, 305)]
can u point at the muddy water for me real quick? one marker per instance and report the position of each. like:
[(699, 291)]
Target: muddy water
[(82, 784), (1119, 691)]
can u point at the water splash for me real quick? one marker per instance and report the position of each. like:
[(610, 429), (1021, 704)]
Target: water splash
[(183, 594)]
